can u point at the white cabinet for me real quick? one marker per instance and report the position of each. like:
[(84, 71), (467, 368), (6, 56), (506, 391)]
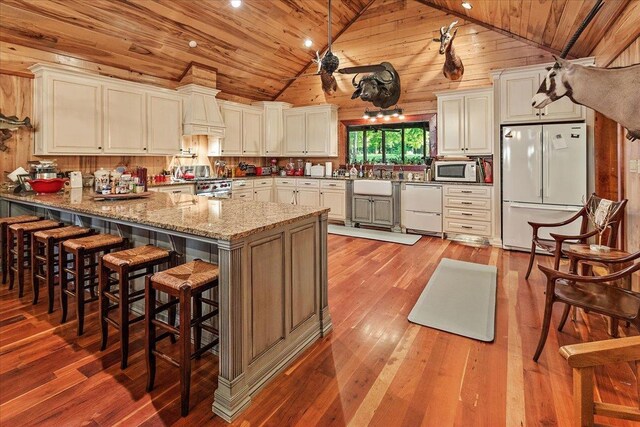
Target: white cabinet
[(164, 123), (465, 122), (516, 91), (125, 115), (262, 194), (308, 197), (174, 189), (285, 195), (273, 140), (242, 194), (244, 130), (84, 114), (333, 196), (468, 210), (311, 131)]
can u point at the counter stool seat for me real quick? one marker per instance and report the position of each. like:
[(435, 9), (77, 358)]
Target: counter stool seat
[(4, 248), (125, 264), (83, 252), (184, 282), (21, 248), (44, 257)]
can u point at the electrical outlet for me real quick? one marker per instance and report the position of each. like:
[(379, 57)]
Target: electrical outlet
[(633, 165)]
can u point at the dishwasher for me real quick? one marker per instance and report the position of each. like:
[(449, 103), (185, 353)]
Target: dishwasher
[(421, 207)]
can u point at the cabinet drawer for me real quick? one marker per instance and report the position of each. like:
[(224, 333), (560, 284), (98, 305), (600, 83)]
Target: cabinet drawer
[(246, 194), (462, 202), (308, 183), (422, 221), (262, 182), (176, 189), (333, 184), (241, 184), (467, 227), (467, 190), (285, 182), (467, 214)]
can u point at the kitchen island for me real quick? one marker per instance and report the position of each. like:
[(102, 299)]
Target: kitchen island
[(272, 290)]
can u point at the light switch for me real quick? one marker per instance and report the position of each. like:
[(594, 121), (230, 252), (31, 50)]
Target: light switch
[(633, 165)]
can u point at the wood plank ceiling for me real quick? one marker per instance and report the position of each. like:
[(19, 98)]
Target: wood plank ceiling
[(253, 47)]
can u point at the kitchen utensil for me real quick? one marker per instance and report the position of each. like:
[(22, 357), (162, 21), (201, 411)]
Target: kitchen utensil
[(47, 185), (75, 179)]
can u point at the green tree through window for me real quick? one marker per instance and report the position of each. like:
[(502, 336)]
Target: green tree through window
[(404, 143)]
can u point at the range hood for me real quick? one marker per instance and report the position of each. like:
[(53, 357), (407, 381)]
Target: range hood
[(201, 113)]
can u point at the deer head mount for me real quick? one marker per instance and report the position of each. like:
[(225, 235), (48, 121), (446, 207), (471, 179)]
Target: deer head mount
[(453, 68)]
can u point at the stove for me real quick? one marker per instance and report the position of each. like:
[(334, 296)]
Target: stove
[(213, 187)]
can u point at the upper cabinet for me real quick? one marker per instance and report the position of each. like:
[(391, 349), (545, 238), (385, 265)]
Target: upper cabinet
[(465, 122), (311, 131), (273, 140), (518, 86), (244, 129), (80, 114)]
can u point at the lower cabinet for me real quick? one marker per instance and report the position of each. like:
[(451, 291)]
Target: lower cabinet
[(262, 194), (334, 200), (242, 194), (373, 210), (286, 195), (308, 197), (174, 189), (362, 209)]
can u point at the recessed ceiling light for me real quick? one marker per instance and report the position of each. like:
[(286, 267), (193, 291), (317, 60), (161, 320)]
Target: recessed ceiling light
[(466, 5), (308, 42), (193, 43), (236, 3)]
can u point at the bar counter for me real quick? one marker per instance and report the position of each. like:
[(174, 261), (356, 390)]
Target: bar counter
[(273, 271)]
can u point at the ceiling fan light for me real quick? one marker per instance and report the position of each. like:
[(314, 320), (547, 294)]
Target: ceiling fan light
[(236, 3), (467, 5)]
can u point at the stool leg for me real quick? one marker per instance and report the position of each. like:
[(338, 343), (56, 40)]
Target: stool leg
[(197, 329), (79, 273), (103, 285), (123, 293), (35, 269), (5, 250), (20, 263), (11, 252), (172, 318), (150, 331), (50, 272), (185, 349), (92, 273), (64, 281)]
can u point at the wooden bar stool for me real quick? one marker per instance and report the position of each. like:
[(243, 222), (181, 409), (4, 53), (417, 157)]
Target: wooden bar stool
[(184, 282), (125, 264), (4, 239), (44, 257), (83, 252), (20, 244)]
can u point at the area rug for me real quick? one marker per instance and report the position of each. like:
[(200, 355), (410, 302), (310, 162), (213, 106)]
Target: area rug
[(384, 236), (460, 298)]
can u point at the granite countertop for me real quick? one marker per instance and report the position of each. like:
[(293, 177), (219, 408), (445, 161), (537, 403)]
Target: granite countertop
[(223, 219)]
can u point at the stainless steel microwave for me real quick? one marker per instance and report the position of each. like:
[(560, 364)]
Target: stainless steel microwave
[(456, 170)]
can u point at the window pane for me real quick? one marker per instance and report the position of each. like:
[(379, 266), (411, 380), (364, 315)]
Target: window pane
[(414, 145), (393, 146), (356, 151), (374, 146)]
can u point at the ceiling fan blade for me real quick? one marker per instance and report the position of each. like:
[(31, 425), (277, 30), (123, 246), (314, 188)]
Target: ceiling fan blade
[(295, 77), (362, 69)]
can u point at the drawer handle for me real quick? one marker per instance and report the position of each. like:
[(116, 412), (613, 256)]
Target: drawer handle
[(467, 227), (176, 191), (466, 191), (467, 203), (332, 185), (466, 214), (307, 183)]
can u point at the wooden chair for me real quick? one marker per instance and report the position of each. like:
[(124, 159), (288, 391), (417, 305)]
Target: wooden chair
[(591, 293), (558, 242), (583, 358)]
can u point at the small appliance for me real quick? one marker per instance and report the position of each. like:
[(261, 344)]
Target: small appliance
[(75, 179), (251, 170), (456, 170), (263, 170), (328, 168), (316, 171), (307, 168)]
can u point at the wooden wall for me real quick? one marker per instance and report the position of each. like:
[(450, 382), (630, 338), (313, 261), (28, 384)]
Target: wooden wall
[(401, 32)]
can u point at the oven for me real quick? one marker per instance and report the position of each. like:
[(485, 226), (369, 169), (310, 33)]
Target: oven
[(456, 170), (215, 188)]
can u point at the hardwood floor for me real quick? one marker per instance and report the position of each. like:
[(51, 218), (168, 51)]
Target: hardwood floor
[(375, 368)]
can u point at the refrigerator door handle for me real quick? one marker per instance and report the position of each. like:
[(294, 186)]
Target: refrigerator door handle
[(545, 207), (545, 164)]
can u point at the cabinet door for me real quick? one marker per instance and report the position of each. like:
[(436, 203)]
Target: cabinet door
[(382, 210), (73, 108), (272, 131), (164, 123), (232, 141), (251, 133), (317, 133), (478, 123), (308, 197), (286, 195), (361, 209), (262, 194), (125, 127), (451, 125), (516, 91), (294, 133), (334, 200), (562, 109)]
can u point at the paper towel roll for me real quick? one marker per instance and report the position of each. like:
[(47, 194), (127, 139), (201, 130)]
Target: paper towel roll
[(327, 168)]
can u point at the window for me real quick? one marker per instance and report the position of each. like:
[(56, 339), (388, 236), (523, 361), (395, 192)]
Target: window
[(404, 143)]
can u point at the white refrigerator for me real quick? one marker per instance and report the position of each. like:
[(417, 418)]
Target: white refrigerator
[(544, 179)]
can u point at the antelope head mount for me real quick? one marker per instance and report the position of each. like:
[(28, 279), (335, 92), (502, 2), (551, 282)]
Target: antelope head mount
[(453, 68)]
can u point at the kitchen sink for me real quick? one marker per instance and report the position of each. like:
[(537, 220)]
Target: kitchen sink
[(372, 187)]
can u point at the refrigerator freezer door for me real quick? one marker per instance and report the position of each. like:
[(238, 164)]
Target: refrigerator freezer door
[(517, 233), (564, 166), (522, 163)]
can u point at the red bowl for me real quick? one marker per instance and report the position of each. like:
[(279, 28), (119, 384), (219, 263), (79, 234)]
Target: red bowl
[(52, 185)]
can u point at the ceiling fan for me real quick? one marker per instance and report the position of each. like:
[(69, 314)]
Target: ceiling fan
[(329, 63)]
